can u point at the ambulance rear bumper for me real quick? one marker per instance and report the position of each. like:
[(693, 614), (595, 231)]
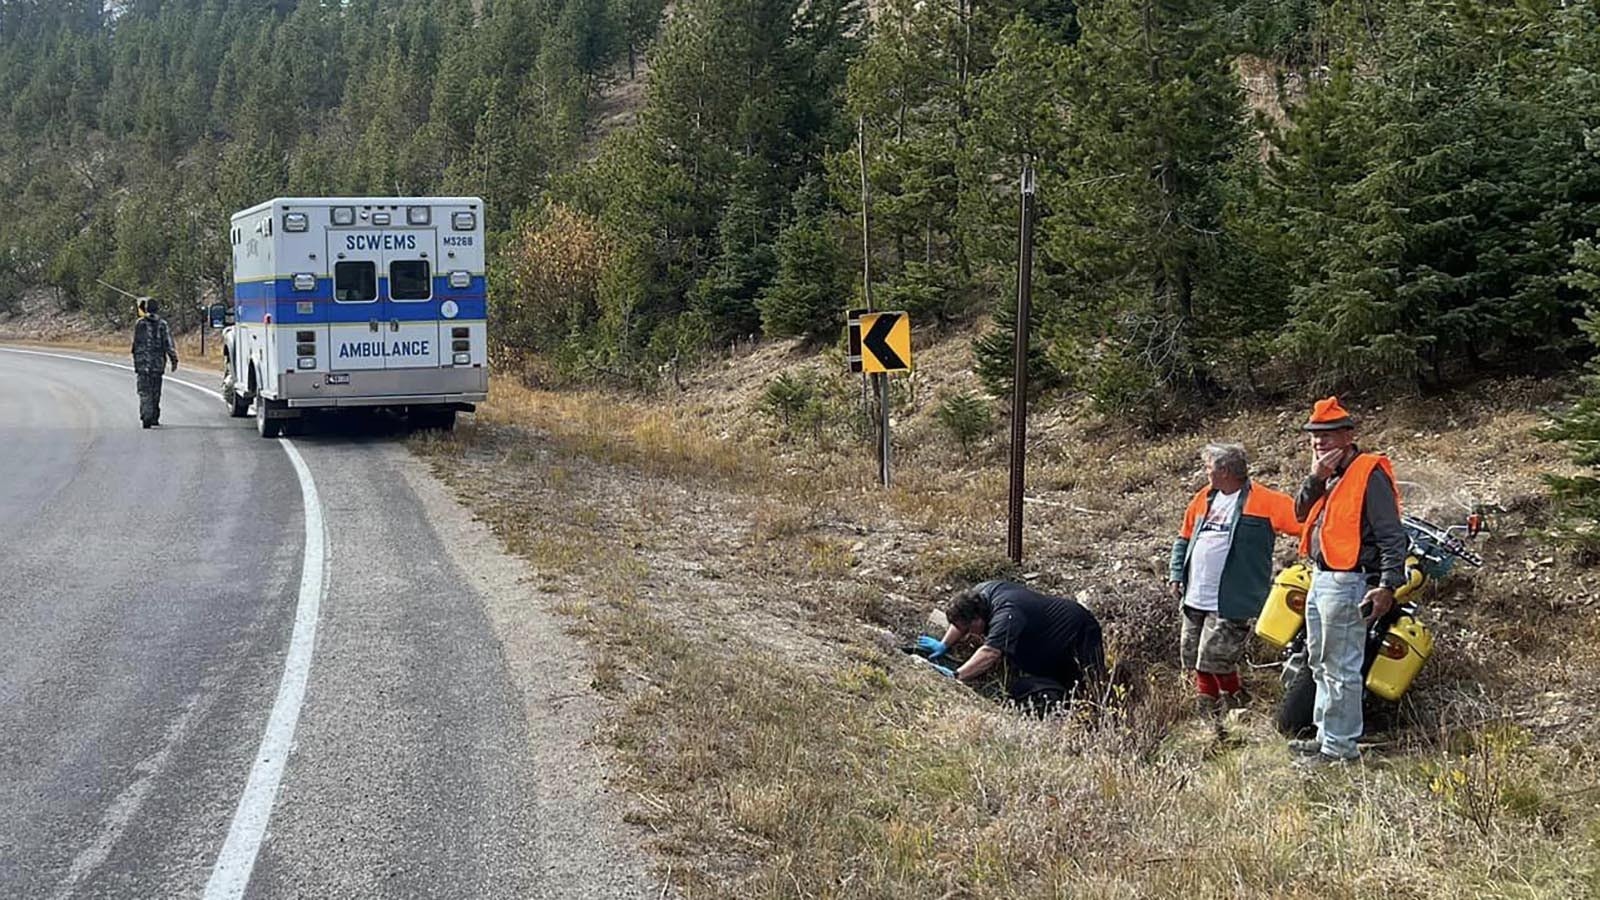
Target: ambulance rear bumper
[(457, 386), (464, 401)]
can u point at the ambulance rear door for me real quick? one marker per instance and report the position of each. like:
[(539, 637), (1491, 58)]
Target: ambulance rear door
[(411, 309), (357, 323)]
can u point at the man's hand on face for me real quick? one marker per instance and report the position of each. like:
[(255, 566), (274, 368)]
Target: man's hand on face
[(1325, 463), (1382, 600)]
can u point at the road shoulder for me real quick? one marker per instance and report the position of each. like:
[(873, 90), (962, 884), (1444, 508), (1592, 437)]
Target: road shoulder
[(586, 847)]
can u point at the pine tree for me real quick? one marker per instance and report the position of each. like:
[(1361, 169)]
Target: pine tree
[(1438, 218), (808, 294), (1578, 497), (1157, 121)]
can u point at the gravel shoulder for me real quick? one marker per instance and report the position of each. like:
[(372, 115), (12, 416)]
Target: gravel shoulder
[(585, 847)]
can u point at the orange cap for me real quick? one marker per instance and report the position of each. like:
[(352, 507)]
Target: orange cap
[(1328, 415)]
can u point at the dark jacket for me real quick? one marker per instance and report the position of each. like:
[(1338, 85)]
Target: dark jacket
[(152, 345), (1041, 635)]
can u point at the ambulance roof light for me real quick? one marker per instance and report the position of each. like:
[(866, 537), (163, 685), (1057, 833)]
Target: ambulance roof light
[(295, 222), (460, 278), (418, 215), (464, 221), (343, 215), (380, 218), (305, 281)]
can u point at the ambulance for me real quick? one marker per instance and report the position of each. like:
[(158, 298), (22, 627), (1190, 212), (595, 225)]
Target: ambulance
[(345, 302)]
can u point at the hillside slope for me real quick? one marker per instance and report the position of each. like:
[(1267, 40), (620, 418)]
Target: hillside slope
[(738, 584)]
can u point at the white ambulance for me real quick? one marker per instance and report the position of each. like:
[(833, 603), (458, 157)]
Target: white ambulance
[(357, 302)]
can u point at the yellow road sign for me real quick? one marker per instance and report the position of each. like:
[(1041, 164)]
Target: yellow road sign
[(885, 342)]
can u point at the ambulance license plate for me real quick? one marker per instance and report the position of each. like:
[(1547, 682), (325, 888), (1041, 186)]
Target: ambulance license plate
[(338, 378)]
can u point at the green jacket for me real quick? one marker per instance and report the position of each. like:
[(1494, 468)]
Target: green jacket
[(1247, 571)]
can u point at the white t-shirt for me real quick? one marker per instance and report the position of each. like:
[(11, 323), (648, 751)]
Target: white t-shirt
[(1208, 551)]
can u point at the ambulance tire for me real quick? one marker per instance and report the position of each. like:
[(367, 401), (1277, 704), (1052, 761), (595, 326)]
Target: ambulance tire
[(1295, 713), (238, 406), (267, 428)]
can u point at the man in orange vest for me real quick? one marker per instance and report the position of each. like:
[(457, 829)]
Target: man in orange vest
[(1350, 505), (1221, 571)]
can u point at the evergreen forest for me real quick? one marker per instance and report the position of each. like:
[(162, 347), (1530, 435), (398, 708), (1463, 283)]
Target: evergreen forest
[(1237, 198)]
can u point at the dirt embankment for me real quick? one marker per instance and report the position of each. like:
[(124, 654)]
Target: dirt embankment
[(738, 581)]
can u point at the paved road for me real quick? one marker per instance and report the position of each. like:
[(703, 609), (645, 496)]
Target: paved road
[(149, 584)]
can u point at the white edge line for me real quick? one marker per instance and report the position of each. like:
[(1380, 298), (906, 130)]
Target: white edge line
[(231, 874)]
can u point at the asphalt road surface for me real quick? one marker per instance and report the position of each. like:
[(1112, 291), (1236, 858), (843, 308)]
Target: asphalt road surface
[(156, 586)]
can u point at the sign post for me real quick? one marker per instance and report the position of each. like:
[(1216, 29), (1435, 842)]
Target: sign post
[(880, 343), (1019, 378)]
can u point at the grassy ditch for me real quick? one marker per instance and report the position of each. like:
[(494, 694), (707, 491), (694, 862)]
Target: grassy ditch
[(775, 748)]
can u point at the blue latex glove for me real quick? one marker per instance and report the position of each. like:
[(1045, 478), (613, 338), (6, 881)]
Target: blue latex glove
[(934, 647), (946, 671)]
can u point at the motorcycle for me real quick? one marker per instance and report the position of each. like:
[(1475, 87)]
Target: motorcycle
[(1397, 643)]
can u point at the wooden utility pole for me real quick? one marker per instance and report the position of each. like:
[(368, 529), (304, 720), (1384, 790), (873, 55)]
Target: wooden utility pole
[(1019, 372)]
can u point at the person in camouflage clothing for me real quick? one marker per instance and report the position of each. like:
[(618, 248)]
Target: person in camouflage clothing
[(1221, 572), (152, 349)]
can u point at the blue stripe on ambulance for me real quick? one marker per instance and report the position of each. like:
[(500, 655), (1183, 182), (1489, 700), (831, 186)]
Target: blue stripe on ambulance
[(255, 299)]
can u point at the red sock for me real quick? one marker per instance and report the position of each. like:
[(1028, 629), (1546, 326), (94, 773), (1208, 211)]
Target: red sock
[(1228, 682), (1205, 683)]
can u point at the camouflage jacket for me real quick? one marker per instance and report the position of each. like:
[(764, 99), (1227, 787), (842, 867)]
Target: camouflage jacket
[(152, 345)]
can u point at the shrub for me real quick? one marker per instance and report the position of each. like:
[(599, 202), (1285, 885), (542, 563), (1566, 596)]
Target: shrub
[(795, 401), (966, 417)]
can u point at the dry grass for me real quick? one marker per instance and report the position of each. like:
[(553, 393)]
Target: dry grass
[(653, 440), (776, 748), (763, 778)]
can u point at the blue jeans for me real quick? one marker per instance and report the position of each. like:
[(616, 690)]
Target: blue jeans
[(1336, 637)]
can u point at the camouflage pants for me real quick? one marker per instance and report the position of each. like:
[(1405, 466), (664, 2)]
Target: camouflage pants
[(149, 396), (1210, 643)]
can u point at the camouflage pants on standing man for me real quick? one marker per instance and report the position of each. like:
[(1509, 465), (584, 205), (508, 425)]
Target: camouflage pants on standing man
[(149, 398)]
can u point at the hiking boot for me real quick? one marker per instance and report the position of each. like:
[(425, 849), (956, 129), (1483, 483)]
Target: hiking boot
[(1320, 760), (1306, 747)]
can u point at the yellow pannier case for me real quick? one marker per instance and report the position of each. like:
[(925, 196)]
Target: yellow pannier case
[(1284, 613), (1405, 648)]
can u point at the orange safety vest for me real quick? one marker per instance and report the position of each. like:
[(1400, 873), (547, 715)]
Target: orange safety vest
[(1341, 528), (1272, 507)]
